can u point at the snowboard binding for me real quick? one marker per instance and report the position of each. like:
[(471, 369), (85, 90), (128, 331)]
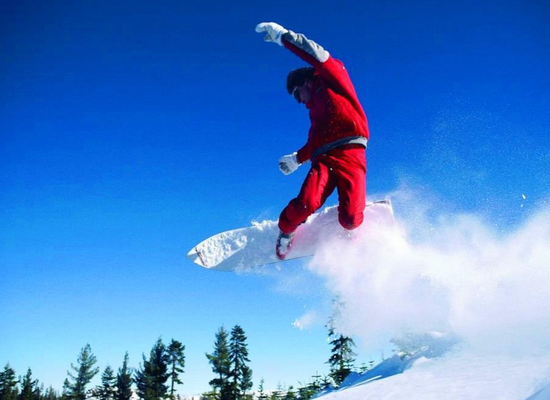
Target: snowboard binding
[(284, 245)]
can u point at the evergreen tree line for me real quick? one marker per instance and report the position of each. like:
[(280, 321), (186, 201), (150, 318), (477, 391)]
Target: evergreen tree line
[(24, 387), (160, 372), (154, 380)]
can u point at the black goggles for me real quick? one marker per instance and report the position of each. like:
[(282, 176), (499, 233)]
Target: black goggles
[(296, 94)]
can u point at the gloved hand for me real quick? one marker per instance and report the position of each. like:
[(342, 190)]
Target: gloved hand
[(288, 164), (274, 32)]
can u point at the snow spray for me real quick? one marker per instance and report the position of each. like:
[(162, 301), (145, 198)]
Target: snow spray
[(446, 272)]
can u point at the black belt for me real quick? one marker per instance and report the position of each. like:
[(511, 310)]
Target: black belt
[(324, 149)]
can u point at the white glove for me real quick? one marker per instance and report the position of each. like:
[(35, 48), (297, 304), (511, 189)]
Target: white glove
[(288, 164), (274, 32)]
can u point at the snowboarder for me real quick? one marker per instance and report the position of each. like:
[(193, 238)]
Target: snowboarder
[(336, 142)]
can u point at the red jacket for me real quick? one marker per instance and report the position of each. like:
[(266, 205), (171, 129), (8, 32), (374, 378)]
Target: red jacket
[(334, 109)]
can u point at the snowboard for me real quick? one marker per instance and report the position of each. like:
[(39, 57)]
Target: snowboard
[(254, 246)]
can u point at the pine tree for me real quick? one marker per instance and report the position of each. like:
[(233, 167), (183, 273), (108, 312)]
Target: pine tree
[(342, 356), (275, 395), (107, 389), (124, 381), (8, 384), (316, 383), (221, 365), (40, 392), (290, 394), (49, 394), (152, 377), (240, 373), (209, 396), (176, 361), (246, 382), (66, 389), (84, 373), (366, 367), (261, 393), (279, 393), (306, 392), (29, 387)]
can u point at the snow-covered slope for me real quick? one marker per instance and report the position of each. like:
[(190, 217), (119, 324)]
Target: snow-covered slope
[(543, 394), (459, 375), (449, 371)]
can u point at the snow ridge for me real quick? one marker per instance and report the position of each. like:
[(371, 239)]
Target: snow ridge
[(415, 349), (444, 368)]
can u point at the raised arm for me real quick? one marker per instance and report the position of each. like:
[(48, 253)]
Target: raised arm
[(328, 67)]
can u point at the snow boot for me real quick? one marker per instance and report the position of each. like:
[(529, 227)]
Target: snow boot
[(284, 244)]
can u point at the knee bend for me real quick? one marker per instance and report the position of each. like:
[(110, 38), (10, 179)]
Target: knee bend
[(307, 205), (349, 221)]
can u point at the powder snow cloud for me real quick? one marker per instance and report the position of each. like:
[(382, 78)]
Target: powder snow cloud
[(437, 270)]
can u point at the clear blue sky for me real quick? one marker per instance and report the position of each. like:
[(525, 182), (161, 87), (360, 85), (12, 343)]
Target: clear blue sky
[(130, 131)]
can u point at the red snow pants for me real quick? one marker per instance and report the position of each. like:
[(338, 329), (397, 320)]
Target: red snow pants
[(344, 169)]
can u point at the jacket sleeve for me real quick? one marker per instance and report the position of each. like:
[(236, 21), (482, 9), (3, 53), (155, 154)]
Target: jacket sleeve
[(313, 54), (304, 154), (326, 66), (306, 49)]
